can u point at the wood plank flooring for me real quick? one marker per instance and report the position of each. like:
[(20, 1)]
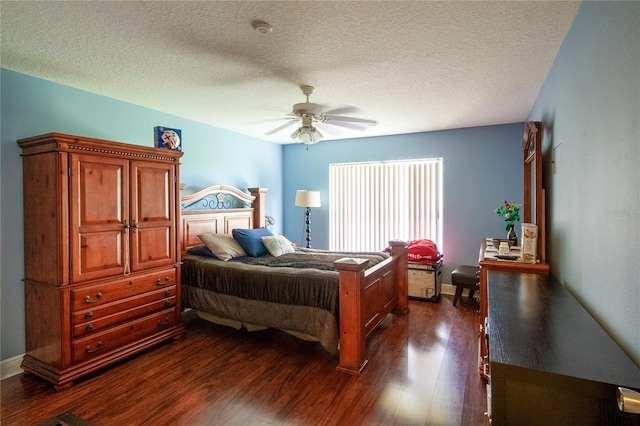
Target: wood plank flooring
[(422, 371)]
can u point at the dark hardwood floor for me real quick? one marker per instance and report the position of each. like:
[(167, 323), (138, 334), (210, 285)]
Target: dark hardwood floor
[(422, 371)]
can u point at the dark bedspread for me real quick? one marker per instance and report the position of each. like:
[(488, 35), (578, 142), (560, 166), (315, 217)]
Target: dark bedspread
[(305, 278)]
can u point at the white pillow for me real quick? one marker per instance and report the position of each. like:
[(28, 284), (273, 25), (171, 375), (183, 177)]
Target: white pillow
[(278, 245), (223, 246)]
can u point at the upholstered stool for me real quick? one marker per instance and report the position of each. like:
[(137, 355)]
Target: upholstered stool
[(464, 276)]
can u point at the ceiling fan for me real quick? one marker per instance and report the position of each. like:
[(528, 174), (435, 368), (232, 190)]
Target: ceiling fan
[(310, 114)]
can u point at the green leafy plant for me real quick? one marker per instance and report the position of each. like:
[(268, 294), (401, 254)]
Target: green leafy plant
[(510, 212)]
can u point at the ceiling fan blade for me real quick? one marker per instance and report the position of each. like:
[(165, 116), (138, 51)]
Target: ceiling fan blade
[(280, 128), (363, 121), (345, 125), (342, 110), (326, 130)]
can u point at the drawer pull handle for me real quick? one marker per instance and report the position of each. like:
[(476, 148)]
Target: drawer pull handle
[(88, 315), (163, 323), (167, 293), (88, 349), (88, 300), (89, 327), (167, 302), (166, 281)]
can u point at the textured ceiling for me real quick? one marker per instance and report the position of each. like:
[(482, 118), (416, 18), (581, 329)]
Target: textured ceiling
[(414, 66)]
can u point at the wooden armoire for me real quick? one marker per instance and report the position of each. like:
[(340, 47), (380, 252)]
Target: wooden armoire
[(101, 257)]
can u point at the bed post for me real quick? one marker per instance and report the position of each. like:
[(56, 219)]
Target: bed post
[(259, 206), (399, 249), (352, 311)]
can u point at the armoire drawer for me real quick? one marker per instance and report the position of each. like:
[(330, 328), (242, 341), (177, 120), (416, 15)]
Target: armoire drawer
[(134, 307), (92, 295), (100, 343)]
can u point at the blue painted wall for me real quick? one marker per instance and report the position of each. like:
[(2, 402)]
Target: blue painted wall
[(32, 106), (482, 167), (590, 107)]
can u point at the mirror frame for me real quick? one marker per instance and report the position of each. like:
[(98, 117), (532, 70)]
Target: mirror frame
[(533, 195)]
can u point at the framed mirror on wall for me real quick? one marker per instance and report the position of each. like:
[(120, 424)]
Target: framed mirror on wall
[(533, 196)]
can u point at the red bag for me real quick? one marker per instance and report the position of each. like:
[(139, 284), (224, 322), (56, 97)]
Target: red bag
[(423, 251)]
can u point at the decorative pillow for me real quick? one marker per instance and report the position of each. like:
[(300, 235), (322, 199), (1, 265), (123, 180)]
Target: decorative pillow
[(200, 250), (278, 245), (223, 246), (251, 240)]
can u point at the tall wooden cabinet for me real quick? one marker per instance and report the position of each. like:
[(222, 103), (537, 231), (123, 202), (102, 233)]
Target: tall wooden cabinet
[(102, 272)]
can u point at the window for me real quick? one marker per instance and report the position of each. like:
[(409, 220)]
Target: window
[(372, 203)]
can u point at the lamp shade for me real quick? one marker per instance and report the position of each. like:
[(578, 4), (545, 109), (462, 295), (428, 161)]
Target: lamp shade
[(307, 135), (305, 198)]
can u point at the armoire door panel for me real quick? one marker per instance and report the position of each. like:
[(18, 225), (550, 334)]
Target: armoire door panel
[(151, 192), (99, 210), (153, 245), (153, 216), (100, 250), (100, 192)]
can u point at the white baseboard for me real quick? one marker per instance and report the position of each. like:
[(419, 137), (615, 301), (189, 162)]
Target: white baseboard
[(448, 289), (11, 367)]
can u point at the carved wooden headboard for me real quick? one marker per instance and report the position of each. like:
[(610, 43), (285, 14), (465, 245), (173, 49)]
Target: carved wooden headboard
[(219, 209)]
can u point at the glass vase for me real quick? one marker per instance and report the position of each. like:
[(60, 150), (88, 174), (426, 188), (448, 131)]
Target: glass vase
[(512, 236)]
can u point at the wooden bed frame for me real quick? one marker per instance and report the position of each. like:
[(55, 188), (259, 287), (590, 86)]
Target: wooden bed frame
[(366, 296)]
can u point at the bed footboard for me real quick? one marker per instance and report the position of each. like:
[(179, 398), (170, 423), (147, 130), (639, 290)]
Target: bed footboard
[(366, 297)]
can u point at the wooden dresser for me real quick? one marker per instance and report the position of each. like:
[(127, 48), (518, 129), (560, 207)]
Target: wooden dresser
[(550, 362), (487, 265), (102, 272)]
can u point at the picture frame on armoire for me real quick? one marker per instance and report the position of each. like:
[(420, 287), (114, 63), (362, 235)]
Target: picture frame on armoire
[(168, 138)]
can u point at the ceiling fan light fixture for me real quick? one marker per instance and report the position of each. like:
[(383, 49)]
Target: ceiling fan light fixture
[(307, 135), (307, 113)]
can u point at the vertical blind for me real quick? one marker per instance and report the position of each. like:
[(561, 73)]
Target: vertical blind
[(372, 203)]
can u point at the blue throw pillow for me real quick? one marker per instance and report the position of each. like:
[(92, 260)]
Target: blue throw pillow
[(251, 240)]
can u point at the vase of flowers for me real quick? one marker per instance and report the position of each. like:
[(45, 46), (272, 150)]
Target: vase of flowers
[(511, 214), (512, 237)]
